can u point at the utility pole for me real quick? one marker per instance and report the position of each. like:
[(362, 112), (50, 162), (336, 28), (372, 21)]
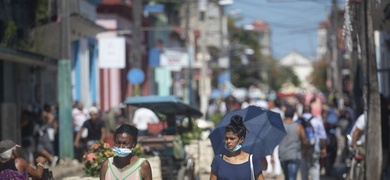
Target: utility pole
[(136, 39), (336, 62), (373, 165), (64, 85), (204, 80), (189, 51)]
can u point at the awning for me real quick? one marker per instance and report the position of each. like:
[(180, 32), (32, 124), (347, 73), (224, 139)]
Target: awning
[(9, 54), (164, 105)]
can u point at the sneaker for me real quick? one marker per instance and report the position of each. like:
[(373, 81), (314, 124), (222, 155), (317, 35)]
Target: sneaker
[(54, 161)]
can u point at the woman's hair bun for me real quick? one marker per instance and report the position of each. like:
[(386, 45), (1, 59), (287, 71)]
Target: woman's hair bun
[(237, 120)]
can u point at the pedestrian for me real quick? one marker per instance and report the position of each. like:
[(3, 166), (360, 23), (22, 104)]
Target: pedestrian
[(142, 117), (290, 147), (236, 164), (95, 128), (14, 167), (125, 165), (310, 164), (45, 135), (79, 115), (231, 104), (27, 124), (275, 168)]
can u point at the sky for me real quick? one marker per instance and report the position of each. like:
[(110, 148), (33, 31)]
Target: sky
[(293, 23)]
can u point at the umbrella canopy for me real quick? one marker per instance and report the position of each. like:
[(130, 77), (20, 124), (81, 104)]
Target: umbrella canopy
[(265, 131), (164, 105)]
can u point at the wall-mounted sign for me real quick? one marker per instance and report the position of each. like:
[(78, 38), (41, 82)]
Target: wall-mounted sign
[(174, 59), (112, 52)]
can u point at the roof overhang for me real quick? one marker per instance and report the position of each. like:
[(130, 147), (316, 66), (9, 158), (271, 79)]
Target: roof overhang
[(80, 27), (24, 57)]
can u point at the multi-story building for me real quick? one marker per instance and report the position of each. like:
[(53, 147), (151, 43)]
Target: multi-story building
[(263, 32), (30, 33)]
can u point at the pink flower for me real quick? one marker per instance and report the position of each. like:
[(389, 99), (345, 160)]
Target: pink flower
[(91, 157), (95, 146)]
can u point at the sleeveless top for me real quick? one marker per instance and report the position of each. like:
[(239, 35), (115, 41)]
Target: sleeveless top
[(290, 146), (8, 170), (228, 171), (133, 172)]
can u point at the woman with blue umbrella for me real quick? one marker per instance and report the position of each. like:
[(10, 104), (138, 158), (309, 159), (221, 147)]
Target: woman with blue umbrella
[(236, 164)]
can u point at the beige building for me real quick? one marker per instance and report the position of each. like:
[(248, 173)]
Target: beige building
[(302, 68)]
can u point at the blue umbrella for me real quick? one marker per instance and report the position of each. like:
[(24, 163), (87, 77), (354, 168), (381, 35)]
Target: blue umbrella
[(265, 131)]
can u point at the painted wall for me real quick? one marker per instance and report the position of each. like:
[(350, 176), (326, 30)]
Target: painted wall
[(85, 72)]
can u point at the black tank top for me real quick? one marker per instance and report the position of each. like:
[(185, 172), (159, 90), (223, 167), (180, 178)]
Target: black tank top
[(8, 165)]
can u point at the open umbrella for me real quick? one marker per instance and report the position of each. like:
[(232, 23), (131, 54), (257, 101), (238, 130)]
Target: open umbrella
[(265, 131)]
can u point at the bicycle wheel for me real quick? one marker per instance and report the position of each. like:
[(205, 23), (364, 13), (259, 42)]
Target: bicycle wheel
[(352, 170), (185, 174), (356, 171)]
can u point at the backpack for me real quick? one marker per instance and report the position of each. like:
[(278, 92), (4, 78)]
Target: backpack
[(309, 130)]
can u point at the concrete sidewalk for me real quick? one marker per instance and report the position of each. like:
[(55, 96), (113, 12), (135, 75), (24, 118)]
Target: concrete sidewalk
[(66, 168)]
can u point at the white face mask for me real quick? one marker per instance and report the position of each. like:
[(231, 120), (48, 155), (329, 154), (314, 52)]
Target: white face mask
[(122, 152), (238, 147)]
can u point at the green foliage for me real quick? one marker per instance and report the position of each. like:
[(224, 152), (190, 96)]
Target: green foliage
[(216, 117), (278, 75), (195, 134), (100, 152), (93, 159), (41, 11), (249, 74), (318, 76), (9, 34)]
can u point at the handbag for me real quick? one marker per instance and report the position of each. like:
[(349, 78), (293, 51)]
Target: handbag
[(252, 173)]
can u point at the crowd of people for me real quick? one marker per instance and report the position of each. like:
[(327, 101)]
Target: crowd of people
[(38, 150), (315, 126), (317, 129)]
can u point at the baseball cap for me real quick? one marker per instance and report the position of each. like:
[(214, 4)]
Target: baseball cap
[(6, 145)]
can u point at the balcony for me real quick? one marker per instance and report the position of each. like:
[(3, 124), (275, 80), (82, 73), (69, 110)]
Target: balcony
[(82, 25)]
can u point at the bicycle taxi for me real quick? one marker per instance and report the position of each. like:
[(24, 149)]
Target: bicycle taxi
[(165, 139)]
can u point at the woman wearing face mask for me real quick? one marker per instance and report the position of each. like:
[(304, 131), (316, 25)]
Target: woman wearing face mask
[(125, 165), (236, 164)]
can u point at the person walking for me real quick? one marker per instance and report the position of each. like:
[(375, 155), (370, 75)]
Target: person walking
[(14, 167), (236, 164), (274, 169), (79, 115), (290, 147), (95, 128), (125, 165), (310, 163)]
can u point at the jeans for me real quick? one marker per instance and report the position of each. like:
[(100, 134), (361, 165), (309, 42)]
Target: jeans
[(310, 166), (290, 169)]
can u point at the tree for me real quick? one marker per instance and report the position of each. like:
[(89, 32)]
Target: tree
[(257, 70), (318, 77)]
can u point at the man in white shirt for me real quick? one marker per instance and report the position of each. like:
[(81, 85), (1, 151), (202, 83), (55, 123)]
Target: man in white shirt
[(143, 116), (357, 131)]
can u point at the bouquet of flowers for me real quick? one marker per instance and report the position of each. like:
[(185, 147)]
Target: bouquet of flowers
[(93, 159)]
